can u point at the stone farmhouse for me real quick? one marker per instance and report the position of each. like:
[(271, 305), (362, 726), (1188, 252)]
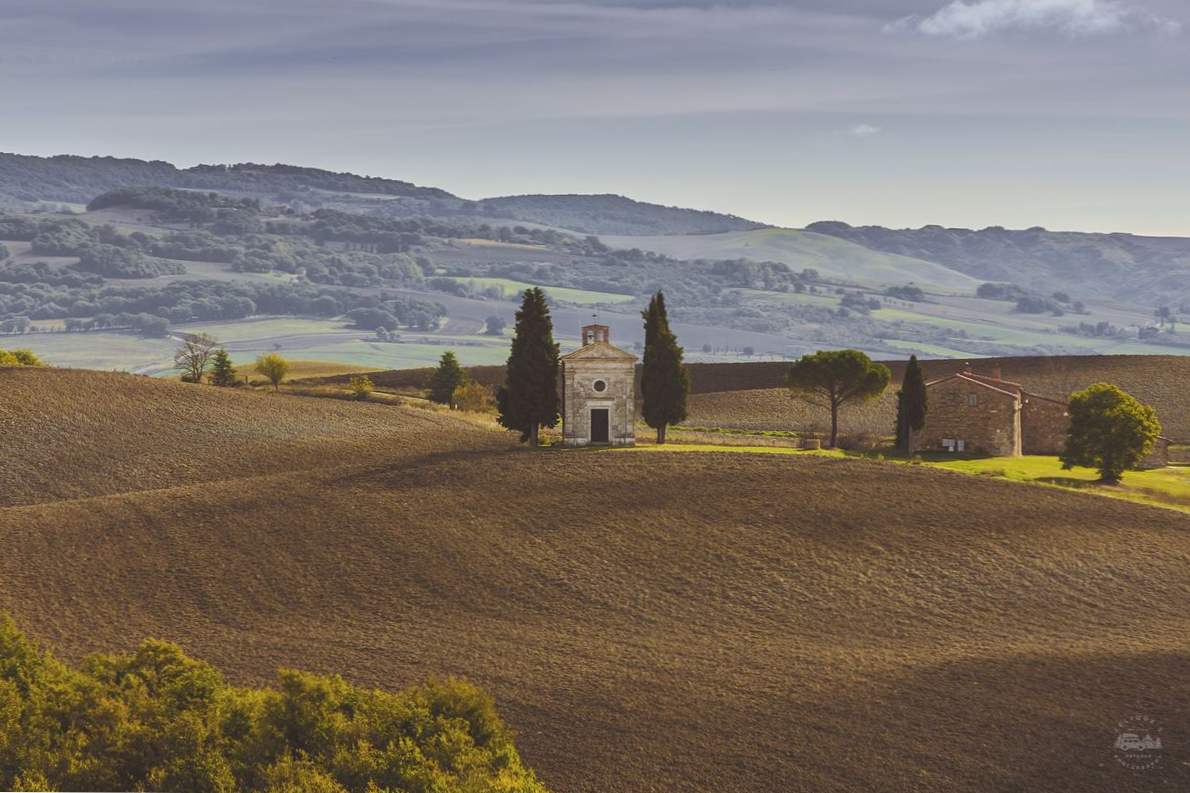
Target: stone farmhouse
[(984, 414), (598, 392)]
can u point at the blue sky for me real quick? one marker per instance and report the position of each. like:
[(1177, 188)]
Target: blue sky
[(1063, 113)]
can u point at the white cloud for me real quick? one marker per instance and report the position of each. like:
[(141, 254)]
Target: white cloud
[(963, 19), (864, 130)]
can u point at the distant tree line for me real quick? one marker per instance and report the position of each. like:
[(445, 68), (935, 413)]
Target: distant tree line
[(113, 307)]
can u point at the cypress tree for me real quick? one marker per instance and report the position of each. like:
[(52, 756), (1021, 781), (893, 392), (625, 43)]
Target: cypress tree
[(222, 371), (911, 403), (529, 398), (664, 382), (447, 377)]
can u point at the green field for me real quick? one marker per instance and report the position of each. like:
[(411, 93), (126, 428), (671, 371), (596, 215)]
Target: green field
[(1166, 487), (113, 351), (830, 256), (581, 297), (292, 337)]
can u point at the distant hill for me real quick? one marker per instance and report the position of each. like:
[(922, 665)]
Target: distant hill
[(612, 214), (74, 179), (1121, 266), (27, 180), (830, 256)]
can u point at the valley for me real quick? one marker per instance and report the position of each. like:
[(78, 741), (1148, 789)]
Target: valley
[(282, 257)]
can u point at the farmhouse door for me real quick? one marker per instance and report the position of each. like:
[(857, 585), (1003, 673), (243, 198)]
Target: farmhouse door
[(599, 424)]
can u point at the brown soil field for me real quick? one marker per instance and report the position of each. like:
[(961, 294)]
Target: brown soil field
[(1161, 381), (646, 621), (70, 433)]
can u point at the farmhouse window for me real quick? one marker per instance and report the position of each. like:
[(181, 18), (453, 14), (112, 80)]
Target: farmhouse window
[(972, 399)]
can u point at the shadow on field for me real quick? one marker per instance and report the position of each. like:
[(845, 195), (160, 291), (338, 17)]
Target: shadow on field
[(1038, 722)]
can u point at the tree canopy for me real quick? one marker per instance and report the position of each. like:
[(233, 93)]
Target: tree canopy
[(912, 403), (155, 719), (665, 383), (273, 367), (529, 398), (194, 356), (833, 378), (223, 373), (1109, 430), (447, 378)]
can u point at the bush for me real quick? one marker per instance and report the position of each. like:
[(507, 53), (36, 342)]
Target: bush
[(361, 387), (273, 368), (19, 358), (156, 719), (474, 397)]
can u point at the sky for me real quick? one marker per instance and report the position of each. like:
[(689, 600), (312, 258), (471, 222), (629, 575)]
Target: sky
[(1068, 114)]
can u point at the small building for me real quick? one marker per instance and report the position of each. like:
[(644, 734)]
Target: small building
[(985, 414), (598, 392), (1158, 457)]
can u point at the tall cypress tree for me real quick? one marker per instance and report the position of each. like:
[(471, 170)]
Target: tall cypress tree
[(664, 381), (447, 377), (223, 373), (529, 398), (912, 404)]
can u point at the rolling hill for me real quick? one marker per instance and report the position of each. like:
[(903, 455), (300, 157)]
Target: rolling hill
[(1144, 270), (28, 180), (646, 621), (612, 214), (830, 256)]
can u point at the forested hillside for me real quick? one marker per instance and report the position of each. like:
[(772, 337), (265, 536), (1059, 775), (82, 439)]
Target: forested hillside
[(1120, 266), (26, 180)]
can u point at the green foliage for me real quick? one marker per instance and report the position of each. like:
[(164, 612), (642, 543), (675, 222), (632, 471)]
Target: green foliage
[(447, 377), (473, 397), (665, 383), (529, 398), (833, 378), (223, 373), (1110, 430), (19, 358), (159, 720), (912, 403), (272, 367), (111, 261), (361, 387)]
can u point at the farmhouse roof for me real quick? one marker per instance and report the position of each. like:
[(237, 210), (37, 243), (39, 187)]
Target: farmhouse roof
[(599, 351), (1005, 387)]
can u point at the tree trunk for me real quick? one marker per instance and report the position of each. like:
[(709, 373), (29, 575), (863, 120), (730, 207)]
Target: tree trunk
[(834, 425), (661, 434), (533, 436)]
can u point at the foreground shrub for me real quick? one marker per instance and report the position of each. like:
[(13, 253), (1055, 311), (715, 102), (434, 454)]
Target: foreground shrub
[(159, 720), (19, 358)]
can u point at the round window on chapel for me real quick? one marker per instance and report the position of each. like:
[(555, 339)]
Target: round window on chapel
[(600, 386)]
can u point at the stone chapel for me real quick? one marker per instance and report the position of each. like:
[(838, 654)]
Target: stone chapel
[(598, 392)]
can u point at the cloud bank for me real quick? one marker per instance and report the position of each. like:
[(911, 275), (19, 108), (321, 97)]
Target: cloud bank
[(962, 19)]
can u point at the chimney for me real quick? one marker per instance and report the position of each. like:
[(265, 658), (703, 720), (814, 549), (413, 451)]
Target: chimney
[(996, 374)]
